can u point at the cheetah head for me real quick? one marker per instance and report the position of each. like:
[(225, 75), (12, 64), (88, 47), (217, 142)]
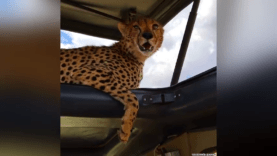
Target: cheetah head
[(144, 36)]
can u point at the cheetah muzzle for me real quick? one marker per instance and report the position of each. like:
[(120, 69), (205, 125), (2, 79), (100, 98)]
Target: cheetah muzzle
[(146, 47), (115, 69)]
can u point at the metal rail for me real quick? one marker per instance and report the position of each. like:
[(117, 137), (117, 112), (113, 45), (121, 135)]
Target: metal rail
[(185, 43)]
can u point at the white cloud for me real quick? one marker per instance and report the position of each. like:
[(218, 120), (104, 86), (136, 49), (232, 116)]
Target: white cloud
[(67, 46), (158, 70), (80, 40)]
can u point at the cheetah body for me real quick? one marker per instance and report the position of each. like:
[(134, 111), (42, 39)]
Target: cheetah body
[(116, 64), (116, 69)]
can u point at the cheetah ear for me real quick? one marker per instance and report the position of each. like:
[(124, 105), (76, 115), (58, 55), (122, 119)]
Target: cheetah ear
[(122, 28)]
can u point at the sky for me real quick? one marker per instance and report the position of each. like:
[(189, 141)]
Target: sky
[(159, 68)]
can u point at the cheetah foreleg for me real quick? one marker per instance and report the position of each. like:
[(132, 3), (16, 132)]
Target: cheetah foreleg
[(103, 80)]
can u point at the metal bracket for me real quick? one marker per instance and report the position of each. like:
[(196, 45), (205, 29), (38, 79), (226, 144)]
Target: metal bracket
[(161, 98), (132, 15)]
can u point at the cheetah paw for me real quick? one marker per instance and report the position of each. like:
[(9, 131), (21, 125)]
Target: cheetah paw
[(122, 137)]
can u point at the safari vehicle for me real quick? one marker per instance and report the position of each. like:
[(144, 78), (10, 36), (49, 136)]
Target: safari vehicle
[(180, 117)]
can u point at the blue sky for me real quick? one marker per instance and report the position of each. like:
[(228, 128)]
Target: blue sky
[(65, 38), (158, 69)]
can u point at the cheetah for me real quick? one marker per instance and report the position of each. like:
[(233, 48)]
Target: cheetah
[(115, 69)]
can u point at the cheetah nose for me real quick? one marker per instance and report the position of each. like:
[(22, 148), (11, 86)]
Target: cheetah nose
[(147, 35)]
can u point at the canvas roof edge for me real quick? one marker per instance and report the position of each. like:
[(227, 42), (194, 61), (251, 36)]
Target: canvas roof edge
[(92, 30), (163, 13)]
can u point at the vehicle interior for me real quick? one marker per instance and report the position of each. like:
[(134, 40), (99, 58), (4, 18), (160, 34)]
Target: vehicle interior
[(181, 117)]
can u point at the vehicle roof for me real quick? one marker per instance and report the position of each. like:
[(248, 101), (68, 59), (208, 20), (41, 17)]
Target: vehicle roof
[(76, 19)]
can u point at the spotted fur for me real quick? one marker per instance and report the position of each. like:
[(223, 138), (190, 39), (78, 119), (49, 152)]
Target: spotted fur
[(115, 69)]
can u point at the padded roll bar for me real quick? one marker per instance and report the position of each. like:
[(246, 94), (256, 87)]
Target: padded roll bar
[(185, 43)]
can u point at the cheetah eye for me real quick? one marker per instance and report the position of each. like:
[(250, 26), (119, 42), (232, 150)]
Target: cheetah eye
[(136, 26), (155, 26)]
